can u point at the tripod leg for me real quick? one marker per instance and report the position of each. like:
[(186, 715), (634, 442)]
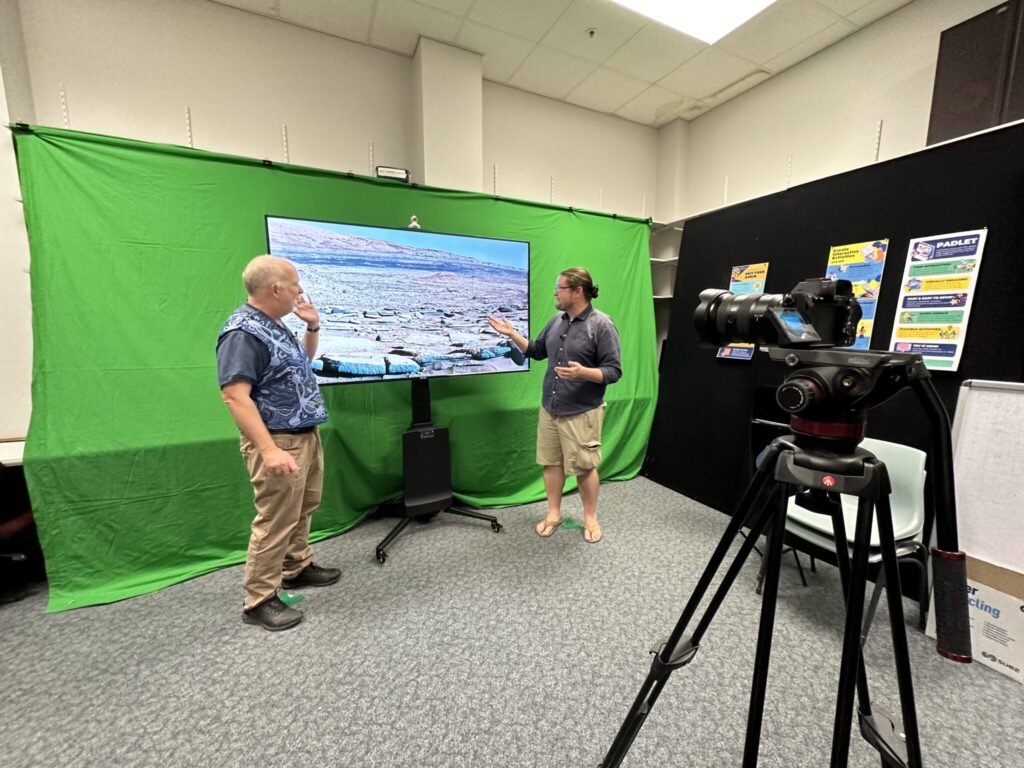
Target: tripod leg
[(759, 684), (901, 654), (843, 562), (678, 651), (851, 668)]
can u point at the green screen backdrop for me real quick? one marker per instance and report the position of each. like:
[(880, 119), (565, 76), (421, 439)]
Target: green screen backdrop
[(137, 249)]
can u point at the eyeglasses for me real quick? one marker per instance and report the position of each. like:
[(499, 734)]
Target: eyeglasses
[(563, 287)]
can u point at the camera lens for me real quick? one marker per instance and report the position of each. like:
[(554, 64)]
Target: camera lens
[(723, 317)]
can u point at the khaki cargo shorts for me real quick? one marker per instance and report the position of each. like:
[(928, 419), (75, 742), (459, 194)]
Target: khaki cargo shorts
[(572, 441)]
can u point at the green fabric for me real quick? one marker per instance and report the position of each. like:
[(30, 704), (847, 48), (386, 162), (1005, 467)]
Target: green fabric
[(137, 249)]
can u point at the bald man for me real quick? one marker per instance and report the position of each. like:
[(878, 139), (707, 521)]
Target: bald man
[(268, 385)]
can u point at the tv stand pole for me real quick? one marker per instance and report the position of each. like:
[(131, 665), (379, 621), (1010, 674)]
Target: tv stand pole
[(427, 469)]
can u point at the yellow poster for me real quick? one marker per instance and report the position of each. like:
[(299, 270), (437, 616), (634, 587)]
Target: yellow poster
[(937, 284), (751, 275), (858, 253), (944, 332)]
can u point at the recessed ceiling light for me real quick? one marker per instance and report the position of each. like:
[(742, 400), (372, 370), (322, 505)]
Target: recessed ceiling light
[(707, 21)]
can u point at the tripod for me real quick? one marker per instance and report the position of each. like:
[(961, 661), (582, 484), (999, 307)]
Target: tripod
[(787, 464), (827, 394)]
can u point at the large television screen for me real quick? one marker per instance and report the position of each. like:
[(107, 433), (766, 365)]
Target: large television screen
[(406, 303)]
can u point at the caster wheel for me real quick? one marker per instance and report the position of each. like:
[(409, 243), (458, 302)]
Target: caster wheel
[(496, 526), (381, 556)]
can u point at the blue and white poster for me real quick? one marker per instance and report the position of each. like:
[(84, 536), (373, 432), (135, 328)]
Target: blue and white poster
[(862, 264), (935, 297)]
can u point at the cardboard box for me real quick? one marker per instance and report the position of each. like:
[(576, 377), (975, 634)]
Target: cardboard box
[(996, 599)]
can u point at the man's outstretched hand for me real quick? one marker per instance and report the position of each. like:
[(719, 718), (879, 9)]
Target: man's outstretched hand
[(502, 326)]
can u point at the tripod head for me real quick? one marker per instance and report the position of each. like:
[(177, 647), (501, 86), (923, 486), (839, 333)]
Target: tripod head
[(827, 394), (829, 391)]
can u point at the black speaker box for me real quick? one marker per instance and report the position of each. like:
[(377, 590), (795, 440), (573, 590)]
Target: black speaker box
[(428, 469), (973, 89)]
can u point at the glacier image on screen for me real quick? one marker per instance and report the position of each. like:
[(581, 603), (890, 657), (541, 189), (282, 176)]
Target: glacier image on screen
[(403, 304)]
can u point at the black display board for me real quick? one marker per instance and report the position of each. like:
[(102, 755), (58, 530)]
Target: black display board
[(702, 442)]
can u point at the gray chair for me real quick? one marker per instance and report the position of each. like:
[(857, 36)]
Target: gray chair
[(906, 468)]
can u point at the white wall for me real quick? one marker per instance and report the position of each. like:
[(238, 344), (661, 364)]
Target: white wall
[(451, 121), (673, 159), (131, 68), (15, 323), (18, 95), (598, 162), (824, 111)]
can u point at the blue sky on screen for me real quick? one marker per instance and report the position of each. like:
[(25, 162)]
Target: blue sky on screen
[(511, 253)]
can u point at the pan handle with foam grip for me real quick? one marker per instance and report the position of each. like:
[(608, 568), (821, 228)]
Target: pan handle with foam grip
[(949, 564)]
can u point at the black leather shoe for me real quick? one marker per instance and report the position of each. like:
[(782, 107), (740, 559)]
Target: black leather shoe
[(272, 614), (312, 576)]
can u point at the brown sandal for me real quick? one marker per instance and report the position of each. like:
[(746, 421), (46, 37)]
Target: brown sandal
[(548, 527), (594, 529)]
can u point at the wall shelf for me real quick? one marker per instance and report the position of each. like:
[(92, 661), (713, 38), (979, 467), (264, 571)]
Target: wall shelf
[(664, 253)]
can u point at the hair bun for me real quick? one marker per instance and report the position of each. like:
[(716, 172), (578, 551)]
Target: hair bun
[(593, 291)]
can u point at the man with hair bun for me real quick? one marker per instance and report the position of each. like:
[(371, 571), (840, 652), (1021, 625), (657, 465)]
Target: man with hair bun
[(268, 385), (581, 346)]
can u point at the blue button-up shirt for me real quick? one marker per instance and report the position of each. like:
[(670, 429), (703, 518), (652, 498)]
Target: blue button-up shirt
[(589, 339)]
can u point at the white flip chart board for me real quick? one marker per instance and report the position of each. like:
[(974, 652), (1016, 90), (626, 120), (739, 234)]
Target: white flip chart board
[(988, 461)]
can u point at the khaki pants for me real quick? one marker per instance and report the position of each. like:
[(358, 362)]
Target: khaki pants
[(279, 544), (572, 441)]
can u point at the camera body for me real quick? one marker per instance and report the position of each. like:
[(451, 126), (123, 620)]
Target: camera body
[(819, 312)]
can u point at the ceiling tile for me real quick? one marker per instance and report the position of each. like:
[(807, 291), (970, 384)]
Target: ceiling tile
[(455, 7), (843, 7), (811, 46), (526, 18), (612, 24), (709, 71), (551, 73), (653, 52), (654, 106), (875, 10), (398, 25), (502, 52), (606, 90), (345, 18), (777, 29)]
